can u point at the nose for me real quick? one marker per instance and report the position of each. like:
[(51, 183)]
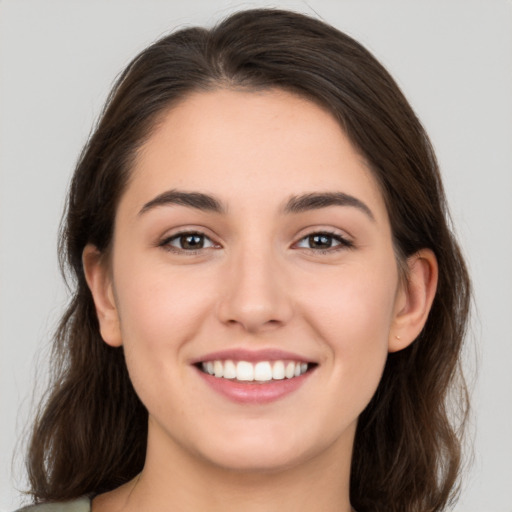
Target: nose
[(254, 294)]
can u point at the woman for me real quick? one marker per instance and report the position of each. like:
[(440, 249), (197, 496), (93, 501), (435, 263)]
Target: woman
[(269, 305)]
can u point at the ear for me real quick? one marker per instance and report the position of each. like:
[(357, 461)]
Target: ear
[(414, 299), (99, 280)]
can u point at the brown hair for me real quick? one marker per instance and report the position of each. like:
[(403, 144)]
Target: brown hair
[(90, 435)]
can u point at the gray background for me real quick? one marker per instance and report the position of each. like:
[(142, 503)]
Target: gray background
[(453, 60)]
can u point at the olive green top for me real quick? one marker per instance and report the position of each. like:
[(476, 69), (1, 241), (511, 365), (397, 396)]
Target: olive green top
[(79, 505)]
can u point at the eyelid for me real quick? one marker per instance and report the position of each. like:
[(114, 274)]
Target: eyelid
[(344, 241), (165, 241)]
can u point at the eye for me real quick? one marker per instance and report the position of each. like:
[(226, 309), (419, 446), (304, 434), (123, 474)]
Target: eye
[(323, 242), (187, 242)]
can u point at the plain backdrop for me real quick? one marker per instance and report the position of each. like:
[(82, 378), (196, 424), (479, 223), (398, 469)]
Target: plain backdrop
[(453, 59)]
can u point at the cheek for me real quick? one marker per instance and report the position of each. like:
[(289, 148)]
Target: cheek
[(160, 312), (158, 306), (352, 313), (355, 302)]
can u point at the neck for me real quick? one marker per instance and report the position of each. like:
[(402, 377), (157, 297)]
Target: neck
[(175, 480)]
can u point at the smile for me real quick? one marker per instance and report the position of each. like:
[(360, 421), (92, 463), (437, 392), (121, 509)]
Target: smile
[(254, 376), (261, 371)]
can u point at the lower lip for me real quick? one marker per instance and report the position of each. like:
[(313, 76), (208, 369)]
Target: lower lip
[(254, 392)]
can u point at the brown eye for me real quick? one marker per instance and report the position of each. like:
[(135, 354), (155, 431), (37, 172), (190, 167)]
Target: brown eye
[(191, 242), (323, 242), (188, 242), (320, 241)]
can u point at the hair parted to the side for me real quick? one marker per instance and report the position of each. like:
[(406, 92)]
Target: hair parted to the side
[(90, 434)]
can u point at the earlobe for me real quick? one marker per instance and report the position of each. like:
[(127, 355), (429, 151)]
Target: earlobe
[(99, 280), (414, 300)]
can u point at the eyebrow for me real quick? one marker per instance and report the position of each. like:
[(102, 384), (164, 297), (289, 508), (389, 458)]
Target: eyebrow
[(196, 200), (296, 204), (317, 200)]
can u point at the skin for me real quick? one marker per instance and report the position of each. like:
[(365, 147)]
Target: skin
[(257, 284)]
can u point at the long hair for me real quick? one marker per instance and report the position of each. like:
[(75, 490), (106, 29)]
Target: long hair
[(90, 433)]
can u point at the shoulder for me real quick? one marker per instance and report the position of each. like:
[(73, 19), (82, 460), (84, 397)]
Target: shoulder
[(79, 505)]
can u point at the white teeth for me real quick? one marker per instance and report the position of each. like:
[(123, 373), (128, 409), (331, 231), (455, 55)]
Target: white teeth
[(244, 371), (218, 369), (262, 371), (290, 370), (229, 370), (278, 370)]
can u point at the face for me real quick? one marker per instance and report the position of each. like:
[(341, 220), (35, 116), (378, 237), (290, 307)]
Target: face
[(252, 281)]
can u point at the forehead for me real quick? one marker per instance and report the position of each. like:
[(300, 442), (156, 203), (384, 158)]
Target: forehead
[(260, 147)]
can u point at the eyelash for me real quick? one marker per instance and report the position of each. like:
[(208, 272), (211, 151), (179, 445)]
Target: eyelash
[(166, 243), (342, 243)]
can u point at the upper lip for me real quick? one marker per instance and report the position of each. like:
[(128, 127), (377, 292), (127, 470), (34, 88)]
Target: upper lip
[(242, 354)]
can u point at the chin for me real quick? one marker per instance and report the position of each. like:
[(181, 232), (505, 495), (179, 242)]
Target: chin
[(260, 451), (254, 460)]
